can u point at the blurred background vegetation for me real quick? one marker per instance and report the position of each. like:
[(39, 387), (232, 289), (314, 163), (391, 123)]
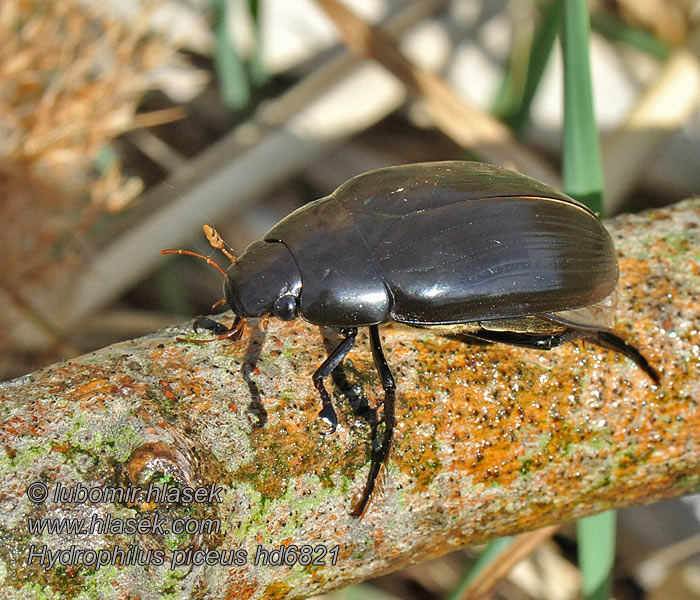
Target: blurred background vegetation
[(124, 126)]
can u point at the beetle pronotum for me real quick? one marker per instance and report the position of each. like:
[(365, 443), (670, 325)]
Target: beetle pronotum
[(457, 247)]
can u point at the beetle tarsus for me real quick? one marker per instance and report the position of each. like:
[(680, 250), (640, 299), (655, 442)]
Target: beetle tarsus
[(209, 325), (220, 302), (613, 342), (327, 413), (328, 416), (379, 456), (233, 333)]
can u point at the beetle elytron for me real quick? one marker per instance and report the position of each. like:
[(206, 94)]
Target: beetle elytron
[(459, 247)]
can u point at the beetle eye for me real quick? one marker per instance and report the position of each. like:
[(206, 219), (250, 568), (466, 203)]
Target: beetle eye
[(285, 308)]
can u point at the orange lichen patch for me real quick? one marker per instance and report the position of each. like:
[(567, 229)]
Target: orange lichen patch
[(170, 356), (277, 590), (507, 413), (659, 291), (485, 413), (40, 413), (13, 426), (185, 381), (92, 387), (633, 271), (167, 390), (416, 445), (242, 589), (202, 406), (75, 383), (63, 448), (695, 267)]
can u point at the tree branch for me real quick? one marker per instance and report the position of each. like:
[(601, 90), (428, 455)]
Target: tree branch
[(491, 440)]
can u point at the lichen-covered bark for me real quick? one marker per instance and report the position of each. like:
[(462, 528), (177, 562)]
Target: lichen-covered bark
[(491, 440)]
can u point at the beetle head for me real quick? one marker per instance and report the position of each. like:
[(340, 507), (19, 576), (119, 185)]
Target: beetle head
[(264, 280)]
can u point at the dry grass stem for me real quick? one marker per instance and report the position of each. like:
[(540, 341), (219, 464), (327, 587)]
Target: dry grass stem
[(466, 125)]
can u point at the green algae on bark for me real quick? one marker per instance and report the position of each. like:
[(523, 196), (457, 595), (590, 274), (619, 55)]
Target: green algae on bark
[(491, 440)]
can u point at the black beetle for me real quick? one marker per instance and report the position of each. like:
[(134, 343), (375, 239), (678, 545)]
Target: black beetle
[(458, 247)]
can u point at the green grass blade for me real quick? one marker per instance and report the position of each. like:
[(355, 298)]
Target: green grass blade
[(617, 30), (510, 92), (513, 105), (490, 553), (581, 157), (583, 180), (596, 555), (539, 55), (257, 68), (233, 79)]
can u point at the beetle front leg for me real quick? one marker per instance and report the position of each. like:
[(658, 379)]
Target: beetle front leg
[(224, 333), (327, 413), (209, 325), (380, 456)]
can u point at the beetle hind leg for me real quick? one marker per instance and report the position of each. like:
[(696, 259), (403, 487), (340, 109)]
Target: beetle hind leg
[(613, 342), (529, 340), (604, 339), (379, 455), (327, 414)]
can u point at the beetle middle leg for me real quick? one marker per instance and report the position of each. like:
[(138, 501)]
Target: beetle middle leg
[(327, 413), (613, 342), (381, 454)]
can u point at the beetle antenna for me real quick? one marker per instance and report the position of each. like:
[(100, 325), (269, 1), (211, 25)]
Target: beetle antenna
[(217, 242), (208, 260)]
